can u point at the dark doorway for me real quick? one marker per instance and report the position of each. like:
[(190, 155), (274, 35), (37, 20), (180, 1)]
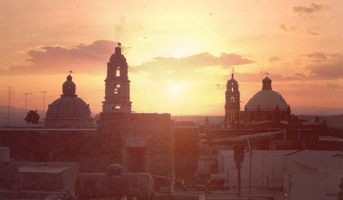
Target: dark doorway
[(136, 160)]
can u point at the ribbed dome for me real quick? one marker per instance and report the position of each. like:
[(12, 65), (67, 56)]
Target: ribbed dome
[(68, 107), (267, 100), (68, 111)]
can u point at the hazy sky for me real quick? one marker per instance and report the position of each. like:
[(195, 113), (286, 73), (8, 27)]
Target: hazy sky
[(180, 53)]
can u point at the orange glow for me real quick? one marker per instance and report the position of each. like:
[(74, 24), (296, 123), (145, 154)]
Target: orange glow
[(180, 53)]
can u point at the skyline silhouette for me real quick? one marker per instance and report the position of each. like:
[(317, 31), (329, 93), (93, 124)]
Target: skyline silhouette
[(173, 64)]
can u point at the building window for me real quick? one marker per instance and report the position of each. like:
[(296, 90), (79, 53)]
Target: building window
[(117, 71), (116, 107), (116, 91)]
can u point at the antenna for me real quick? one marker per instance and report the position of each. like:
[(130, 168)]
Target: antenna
[(43, 92), (9, 105), (26, 93)]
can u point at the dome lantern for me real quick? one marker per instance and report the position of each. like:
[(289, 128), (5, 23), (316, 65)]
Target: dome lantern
[(267, 83), (69, 87)]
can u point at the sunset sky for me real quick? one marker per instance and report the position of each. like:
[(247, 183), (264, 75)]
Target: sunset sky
[(180, 53)]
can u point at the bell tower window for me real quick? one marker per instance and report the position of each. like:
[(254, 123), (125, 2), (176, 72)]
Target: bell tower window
[(116, 107), (117, 72), (116, 91)]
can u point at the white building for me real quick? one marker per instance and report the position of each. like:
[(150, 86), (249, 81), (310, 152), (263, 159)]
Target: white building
[(307, 174)]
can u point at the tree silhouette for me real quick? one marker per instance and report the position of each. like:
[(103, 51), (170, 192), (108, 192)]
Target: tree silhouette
[(32, 117)]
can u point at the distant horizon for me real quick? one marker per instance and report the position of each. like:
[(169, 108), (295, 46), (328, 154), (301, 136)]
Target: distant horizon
[(312, 111)]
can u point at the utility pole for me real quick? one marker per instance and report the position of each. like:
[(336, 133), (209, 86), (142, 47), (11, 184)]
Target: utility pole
[(26, 93), (9, 105), (43, 92), (238, 150), (250, 160)]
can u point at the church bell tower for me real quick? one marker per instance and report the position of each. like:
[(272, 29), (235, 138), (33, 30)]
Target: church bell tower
[(232, 103), (117, 84)]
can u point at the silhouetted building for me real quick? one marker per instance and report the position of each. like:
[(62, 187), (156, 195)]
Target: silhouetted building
[(143, 142), (117, 88), (232, 103), (140, 142), (69, 111)]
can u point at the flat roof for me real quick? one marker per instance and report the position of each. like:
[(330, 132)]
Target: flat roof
[(49, 129), (43, 169)]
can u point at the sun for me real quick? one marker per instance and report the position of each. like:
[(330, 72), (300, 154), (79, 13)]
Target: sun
[(176, 89)]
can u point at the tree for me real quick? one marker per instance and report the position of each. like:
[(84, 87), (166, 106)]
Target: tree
[(32, 117)]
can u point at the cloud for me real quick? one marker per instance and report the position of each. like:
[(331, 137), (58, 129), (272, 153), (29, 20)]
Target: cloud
[(84, 58), (313, 8), (286, 28), (200, 60), (312, 32), (334, 86), (189, 66), (274, 59), (317, 57), (92, 58), (331, 69), (294, 29)]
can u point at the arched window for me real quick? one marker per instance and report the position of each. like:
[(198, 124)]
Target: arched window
[(117, 71), (116, 91), (117, 107)]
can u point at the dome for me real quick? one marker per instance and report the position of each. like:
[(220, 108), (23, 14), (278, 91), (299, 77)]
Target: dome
[(68, 111), (267, 99), (68, 107)]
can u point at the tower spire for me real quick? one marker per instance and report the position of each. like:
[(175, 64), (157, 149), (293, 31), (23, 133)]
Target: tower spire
[(233, 72), (232, 103), (117, 84)]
